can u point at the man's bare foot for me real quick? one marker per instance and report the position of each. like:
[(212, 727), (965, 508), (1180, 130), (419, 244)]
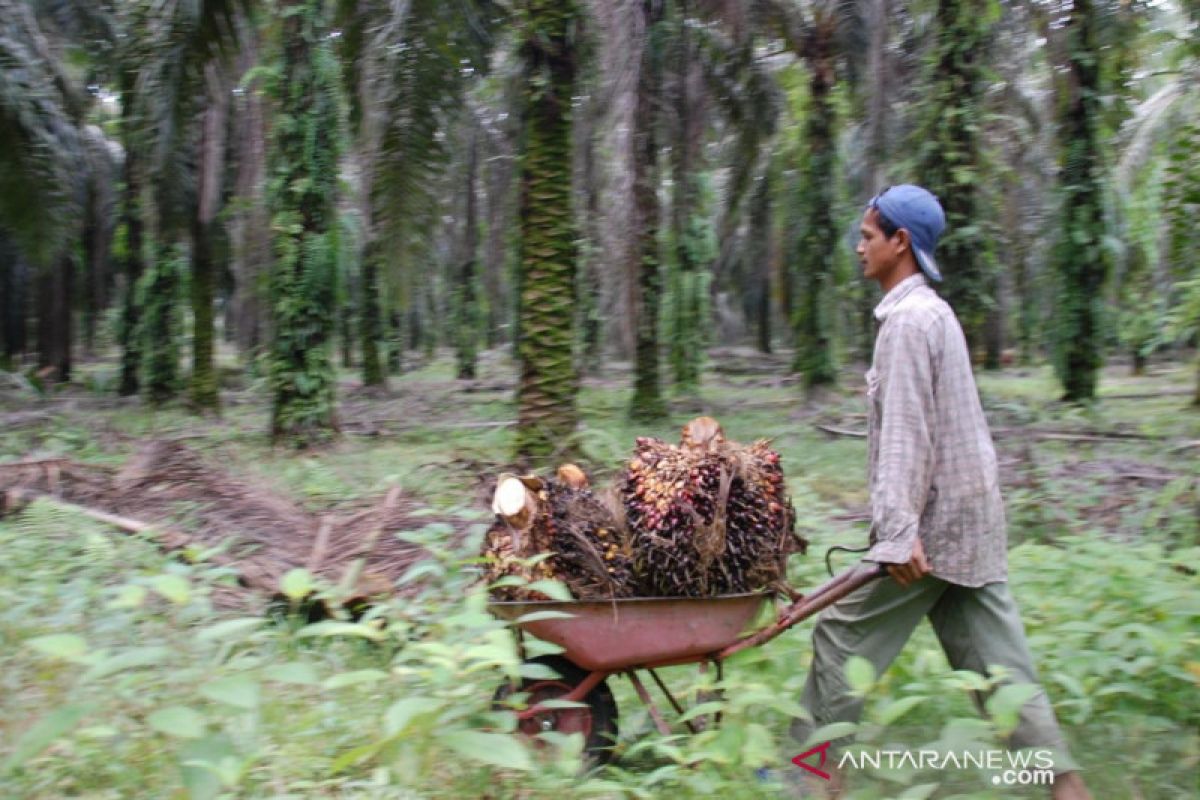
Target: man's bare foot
[(1069, 786)]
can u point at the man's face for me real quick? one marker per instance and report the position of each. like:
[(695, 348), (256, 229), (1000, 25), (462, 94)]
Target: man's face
[(879, 255)]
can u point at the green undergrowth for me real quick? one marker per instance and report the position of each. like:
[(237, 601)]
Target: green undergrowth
[(121, 680)]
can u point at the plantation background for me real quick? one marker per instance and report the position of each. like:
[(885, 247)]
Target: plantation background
[(292, 282)]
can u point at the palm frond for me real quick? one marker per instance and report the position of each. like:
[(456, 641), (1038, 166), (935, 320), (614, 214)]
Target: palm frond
[(40, 152), (422, 54), (181, 38)]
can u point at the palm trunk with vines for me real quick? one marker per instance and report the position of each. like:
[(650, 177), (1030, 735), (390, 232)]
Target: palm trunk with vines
[(1080, 258), (814, 335), (303, 186), (949, 161)]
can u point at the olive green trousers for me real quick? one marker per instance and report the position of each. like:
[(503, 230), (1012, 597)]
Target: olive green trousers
[(979, 628)]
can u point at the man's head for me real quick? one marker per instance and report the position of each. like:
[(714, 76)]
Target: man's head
[(900, 231)]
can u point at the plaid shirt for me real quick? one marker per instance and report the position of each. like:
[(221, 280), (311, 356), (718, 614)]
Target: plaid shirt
[(931, 465)]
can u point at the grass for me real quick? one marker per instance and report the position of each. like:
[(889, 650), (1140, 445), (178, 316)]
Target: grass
[(121, 680)]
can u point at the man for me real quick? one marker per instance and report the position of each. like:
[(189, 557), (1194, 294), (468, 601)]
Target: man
[(936, 511)]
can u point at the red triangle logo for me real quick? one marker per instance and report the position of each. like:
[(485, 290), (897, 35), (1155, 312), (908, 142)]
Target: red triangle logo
[(823, 750)]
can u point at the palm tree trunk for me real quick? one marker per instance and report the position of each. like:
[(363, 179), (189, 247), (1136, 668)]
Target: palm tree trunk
[(131, 213), (500, 205), (158, 328), (593, 261), (546, 416), (305, 145), (466, 328), (686, 346), (1080, 257), (814, 352), (55, 309), (14, 289), (760, 266), (647, 404), (250, 223), (947, 144), (371, 318), (210, 168)]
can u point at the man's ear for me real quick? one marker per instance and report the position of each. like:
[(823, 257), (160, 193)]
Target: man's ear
[(903, 242)]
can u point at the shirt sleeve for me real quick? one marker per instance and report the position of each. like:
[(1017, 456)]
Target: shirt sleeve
[(906, 426)]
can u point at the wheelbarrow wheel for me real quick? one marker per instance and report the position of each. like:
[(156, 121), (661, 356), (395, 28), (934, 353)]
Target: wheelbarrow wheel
[(597, 721)]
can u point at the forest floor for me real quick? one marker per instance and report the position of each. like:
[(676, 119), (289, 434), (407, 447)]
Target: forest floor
[(419, 459)]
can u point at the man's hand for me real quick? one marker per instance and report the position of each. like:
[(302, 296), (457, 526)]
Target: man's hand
[(916, 568)]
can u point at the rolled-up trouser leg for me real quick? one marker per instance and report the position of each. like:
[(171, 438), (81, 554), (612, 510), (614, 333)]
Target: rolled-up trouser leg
[(981, 628), (873, 622)]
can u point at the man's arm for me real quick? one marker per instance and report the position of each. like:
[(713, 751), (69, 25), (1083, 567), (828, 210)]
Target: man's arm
[(904, 468)]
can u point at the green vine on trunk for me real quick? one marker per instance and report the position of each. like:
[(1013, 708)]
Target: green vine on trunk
[(303, 183)]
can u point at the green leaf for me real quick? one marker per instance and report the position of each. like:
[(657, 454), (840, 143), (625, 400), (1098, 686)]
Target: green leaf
[(238, 691), (830, 732), (860, 674), (898, 708), (173, 587), (230, 629), (129, 596), (130, 659), (1004, 706), (198, 762), (66, 646), (297, 584), (404, 711), (496, 749), (553, 589), (355, 755), (335, 628), (700, 709), (419, 570), (555, 702), (354, 678), (921, 791), (179, 721), (43, 733), (295, 672), (537, 672)]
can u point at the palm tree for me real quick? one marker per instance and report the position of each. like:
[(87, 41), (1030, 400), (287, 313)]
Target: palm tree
[(182, 95), (1095, 49), (687, 138), (41, 174), (949, 158), (407, 68), (303, 157), (546, 392), (40, 152), (825, 35)]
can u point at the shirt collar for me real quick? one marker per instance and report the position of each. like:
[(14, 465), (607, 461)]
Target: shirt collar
[(898, 293)]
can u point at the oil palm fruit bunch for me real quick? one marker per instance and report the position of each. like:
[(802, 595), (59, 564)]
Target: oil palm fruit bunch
[(563, 517), (707, 516)]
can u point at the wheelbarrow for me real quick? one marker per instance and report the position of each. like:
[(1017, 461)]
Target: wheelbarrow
[(606, 637)]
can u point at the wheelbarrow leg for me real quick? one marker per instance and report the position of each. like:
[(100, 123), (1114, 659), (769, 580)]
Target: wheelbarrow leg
[(655, 714), (671, 699)]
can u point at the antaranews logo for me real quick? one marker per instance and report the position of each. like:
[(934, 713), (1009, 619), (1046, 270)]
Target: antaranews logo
[(1008, 768)]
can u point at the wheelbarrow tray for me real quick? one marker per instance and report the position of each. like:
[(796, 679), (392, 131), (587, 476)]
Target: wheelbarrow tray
[(612, 635)]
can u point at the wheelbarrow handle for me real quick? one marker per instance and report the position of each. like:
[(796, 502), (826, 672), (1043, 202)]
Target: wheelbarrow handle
[(818, 599)]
